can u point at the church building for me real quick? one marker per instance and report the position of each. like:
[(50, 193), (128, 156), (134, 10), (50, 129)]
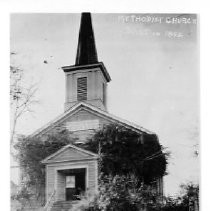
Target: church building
[(72, 170)]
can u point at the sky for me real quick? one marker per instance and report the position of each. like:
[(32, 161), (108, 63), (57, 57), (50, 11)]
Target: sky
[(153, 61)]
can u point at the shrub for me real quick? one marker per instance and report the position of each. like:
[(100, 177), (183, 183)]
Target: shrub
[(122, 193)]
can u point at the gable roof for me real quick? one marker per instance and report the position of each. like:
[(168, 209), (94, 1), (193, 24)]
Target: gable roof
[(57, 153), (96, 111)]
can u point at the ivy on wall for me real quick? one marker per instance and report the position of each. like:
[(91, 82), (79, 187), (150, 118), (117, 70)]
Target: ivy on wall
[(123, 151)]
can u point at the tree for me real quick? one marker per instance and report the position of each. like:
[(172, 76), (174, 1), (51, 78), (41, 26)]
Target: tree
[(190, 195), (21, 97)]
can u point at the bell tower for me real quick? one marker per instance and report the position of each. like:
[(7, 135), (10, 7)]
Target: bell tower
[(86, 81)]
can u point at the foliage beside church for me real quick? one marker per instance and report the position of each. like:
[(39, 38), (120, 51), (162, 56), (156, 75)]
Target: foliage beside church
[(31, 150), (122, 153)]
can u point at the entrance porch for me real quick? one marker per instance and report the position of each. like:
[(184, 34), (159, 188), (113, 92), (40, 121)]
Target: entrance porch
[(70, 173)]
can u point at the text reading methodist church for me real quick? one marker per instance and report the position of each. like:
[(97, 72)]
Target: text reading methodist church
[(72, 169)]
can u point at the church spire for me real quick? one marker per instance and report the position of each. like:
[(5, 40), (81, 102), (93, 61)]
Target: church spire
[(86, 49), (87, 80)]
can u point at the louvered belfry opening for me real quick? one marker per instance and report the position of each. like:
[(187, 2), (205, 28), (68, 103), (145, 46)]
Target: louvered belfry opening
[(82, 88), (86, 50)]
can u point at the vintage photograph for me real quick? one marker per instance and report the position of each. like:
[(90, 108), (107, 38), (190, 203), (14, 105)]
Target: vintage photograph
[(104, 112)]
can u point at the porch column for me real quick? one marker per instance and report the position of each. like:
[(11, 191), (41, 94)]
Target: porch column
[(60, 187)]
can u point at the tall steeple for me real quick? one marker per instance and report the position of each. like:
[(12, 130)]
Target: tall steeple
[(86, 49), (86, 81)]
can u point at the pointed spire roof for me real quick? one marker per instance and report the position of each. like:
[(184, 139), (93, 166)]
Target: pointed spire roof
[(86, 49)]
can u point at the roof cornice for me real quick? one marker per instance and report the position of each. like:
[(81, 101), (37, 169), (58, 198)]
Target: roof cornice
[(101, 65)]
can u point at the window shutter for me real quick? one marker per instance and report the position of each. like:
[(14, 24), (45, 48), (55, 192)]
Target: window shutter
[(82, 88)]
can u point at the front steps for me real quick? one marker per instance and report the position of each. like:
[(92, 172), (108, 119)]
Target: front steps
[(62, 205)]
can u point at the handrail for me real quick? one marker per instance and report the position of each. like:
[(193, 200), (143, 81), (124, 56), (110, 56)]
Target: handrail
[(49, 202)]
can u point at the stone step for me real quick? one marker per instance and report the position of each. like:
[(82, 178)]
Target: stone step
[(62, 205)]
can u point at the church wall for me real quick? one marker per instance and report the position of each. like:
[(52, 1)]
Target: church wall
[(95, 102), (85, 115), (84, 135), (92, 176), (81, 134)]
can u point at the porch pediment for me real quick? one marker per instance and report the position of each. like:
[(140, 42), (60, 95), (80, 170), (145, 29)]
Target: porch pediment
[(70, 153)]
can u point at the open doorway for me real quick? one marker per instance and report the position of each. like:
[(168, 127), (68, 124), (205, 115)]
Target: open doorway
[(75, 183)]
